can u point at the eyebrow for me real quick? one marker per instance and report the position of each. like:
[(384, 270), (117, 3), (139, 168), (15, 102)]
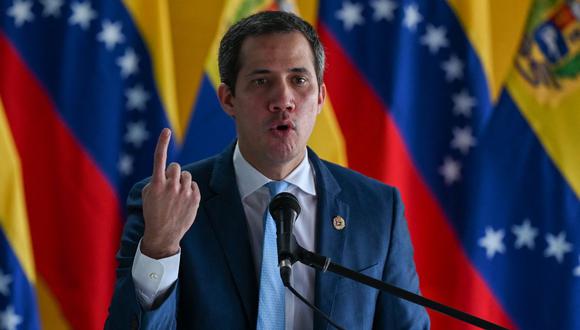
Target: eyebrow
[(266, 71)]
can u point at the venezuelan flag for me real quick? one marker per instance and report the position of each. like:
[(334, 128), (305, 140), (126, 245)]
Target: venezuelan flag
[(78, 123), (469, 107)]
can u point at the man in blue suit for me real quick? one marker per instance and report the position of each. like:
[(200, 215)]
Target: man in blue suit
[(196, 247)]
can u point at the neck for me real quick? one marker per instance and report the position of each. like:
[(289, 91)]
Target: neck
[(277, 173)]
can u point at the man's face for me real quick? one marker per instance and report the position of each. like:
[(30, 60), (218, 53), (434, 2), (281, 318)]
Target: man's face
[(277, 99)]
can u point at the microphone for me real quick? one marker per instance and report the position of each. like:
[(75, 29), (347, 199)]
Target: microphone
[(284, 209)]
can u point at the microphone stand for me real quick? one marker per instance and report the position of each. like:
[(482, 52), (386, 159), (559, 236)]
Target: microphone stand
[(324, 264)]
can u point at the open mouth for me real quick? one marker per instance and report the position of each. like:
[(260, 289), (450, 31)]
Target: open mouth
[(282, 127)]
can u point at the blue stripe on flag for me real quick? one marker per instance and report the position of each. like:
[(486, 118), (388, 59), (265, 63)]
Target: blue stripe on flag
[(512, 180), (210, 128), (18, 306)]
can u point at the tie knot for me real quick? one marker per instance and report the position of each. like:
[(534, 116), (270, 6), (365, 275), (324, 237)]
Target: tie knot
[(276, 187)]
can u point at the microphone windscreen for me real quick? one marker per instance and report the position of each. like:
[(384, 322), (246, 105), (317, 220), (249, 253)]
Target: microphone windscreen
[(284, 200)]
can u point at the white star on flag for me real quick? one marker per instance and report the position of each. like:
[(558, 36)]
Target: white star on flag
[(463, 103), (128, 63), (5, 280), (453, 68), (125, 165), (557, 246), (82, 14), (450, 170), (21, 11), (383, 9), (492, 242), (412, 17), (136, 98), (136, 134), (577, 269), (9, 320), (111, 34), (463, 139), (434, 38), (525, 235), (51, 7), (350, 14)]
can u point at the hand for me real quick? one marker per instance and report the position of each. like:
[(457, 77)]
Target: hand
[(170, 203)]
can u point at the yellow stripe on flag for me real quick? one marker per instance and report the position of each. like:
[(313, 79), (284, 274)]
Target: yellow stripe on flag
[(555, 124), (50, 314), (232, 12), (494, 28), (13, 215), (327, 139), (545, 84), (178, 35), (308, 10), (14, 222)]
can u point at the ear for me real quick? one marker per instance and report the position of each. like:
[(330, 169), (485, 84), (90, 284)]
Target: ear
[(321, 96), (226, 99)]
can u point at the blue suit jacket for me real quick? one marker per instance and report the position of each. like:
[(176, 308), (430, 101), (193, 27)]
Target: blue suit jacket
[(217, 286)]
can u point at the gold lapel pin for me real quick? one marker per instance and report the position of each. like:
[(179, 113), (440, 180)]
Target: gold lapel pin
[(338, 222)]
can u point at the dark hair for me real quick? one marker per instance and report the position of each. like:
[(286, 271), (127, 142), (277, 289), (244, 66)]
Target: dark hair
[(263, 23)]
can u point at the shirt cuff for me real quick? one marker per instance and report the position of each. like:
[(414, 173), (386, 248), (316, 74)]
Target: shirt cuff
[(153, 277)]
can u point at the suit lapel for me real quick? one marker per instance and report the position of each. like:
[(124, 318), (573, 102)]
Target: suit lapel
[(227, 218), (330, 241)]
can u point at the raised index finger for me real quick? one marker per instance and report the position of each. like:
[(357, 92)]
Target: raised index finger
[(160, 157)]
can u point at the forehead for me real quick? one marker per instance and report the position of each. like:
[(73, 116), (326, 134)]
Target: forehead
[(276, 51)]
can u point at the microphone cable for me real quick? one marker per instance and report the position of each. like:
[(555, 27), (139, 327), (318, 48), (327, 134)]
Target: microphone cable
[(321, 313)]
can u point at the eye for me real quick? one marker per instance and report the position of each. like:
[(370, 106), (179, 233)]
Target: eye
[(300, 80), (259, 81)]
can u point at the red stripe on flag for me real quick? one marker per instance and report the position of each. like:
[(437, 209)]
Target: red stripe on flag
[(73, 210), (376, 148)]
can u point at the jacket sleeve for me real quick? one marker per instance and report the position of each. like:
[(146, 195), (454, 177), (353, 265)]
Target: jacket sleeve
[(125, 311), (392, 312)]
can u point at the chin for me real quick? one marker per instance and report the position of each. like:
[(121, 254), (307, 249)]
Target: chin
[(284, 153)]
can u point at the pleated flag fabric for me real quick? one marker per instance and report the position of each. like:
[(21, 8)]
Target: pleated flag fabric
[(470, 108)]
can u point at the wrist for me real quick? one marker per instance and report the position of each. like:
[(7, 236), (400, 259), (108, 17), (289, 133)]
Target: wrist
[(158, 250)]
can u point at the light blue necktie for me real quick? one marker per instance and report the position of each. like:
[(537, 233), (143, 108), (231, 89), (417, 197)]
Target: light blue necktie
[(271, 303)]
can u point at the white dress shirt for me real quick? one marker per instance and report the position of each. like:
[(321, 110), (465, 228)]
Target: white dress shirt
[(154, 277)]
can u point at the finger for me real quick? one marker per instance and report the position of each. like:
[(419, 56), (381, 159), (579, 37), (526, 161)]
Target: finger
[(160, 156), (185, 180), (145, 190), (196, 191), (173, 172)]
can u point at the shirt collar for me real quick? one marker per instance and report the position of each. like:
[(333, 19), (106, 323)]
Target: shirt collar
[(249, 179)]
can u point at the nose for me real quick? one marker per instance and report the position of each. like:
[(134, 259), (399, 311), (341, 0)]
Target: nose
[(282, 98)]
